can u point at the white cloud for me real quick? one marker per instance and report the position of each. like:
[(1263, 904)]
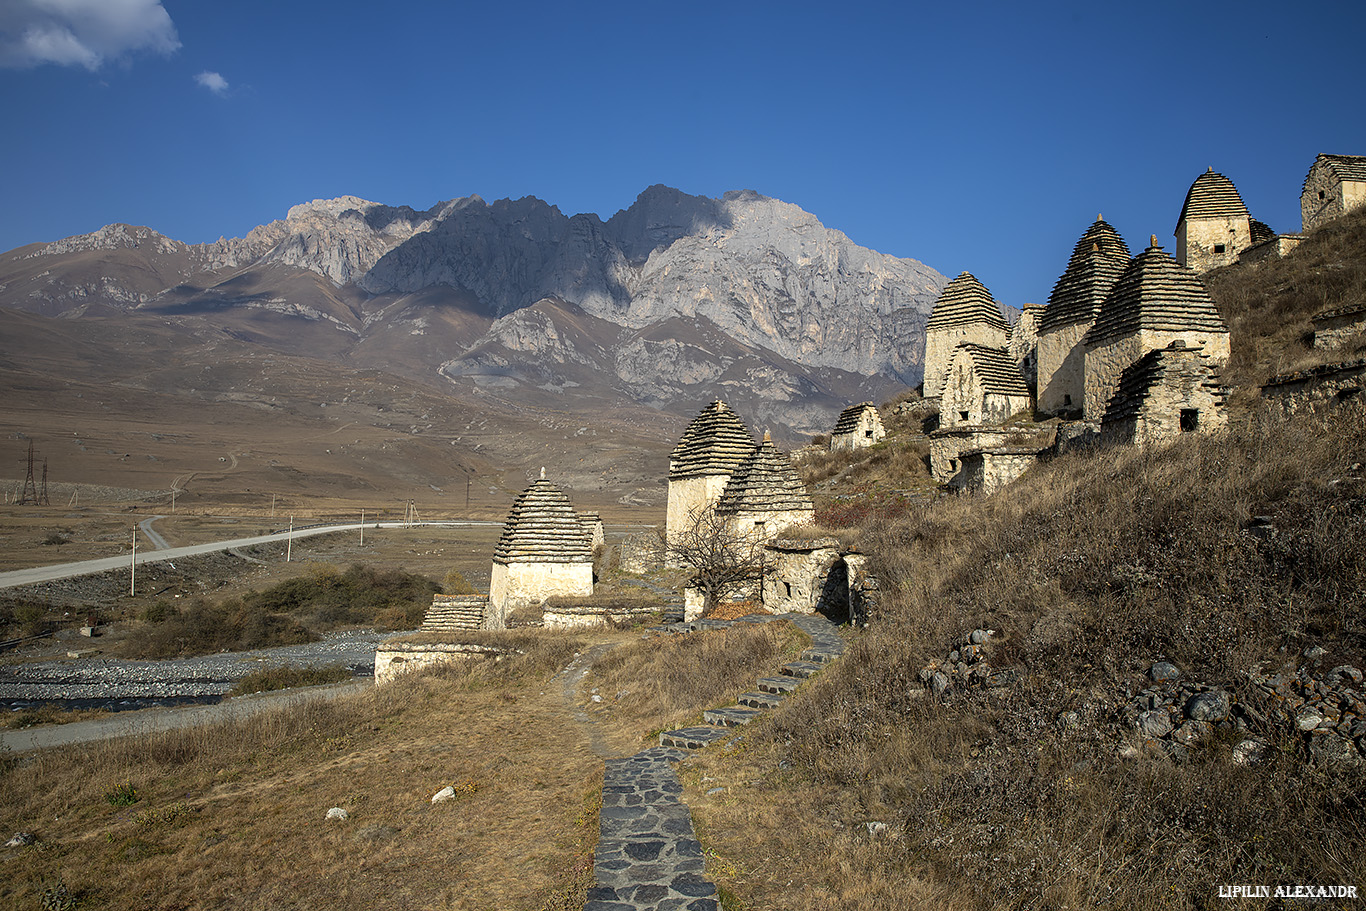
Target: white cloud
[(82, 32), (213, 82)]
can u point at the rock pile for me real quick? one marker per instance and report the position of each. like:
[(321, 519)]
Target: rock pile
[(1325, 709), (964, 666)]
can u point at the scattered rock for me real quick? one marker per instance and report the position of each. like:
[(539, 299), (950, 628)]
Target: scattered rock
[(875, 828), (714, 791), (1155, 724), (1308, 718), (597, 698), (338, 813), (979, 636), (1329, 749), (1315, 652), (1164, 671), (1211, 706), (1249, 751), (1069, 721), (446, 793), (1192, 732), (938, 684), (21, 840), (1345, 672)]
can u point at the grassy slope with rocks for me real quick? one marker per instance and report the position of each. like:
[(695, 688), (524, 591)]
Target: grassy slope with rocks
[(1228, 555)]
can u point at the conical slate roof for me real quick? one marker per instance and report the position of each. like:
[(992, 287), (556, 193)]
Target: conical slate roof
[(1212, 196), (1343, 167), (998, 374), (764, 482), (849, 418), (543, 528), (1155, 292), (966, 300), (715, 443), (1097, 261)]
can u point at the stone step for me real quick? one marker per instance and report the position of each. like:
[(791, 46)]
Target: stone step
[(778, 684), (801, 669), (694, 738), (819, 655), (730, 717), (761, 700)]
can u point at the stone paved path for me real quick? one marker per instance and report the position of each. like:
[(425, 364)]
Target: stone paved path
[(648, 856)]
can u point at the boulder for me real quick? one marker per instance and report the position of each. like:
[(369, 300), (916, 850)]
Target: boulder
[(1212, 706)]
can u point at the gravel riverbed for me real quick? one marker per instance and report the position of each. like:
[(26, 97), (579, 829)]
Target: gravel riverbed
[(95, 680)]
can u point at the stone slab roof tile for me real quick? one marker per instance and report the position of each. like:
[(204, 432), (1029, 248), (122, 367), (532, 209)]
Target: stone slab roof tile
[(1343, 167), (1212, 196), (543, 528), (715, 443), (849, 418), (764, 482), (1097, 261), (966, 300), (998, 373), (1155, 292)]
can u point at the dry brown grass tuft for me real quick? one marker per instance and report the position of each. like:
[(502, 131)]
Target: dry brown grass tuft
[(661, 682), (1090, 568), (232, 815)]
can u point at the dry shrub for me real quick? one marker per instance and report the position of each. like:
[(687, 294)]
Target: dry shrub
[(664, 681)]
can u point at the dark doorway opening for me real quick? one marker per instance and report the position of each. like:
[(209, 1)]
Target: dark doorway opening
[(834, 600)]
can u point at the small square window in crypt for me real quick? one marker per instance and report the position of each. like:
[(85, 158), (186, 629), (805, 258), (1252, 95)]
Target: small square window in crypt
[(1190, 419), (962, 415), (1321, 194), (868, 434), (1218, 248)]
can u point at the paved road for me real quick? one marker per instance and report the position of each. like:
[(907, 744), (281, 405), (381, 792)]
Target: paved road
[(89, 567), (153, 538), (146, 721)]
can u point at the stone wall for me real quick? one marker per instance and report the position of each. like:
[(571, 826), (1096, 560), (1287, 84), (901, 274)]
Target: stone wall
[(1275, 248), (949, 443), (527, 584), (1325, 198), (392, 660), (939, 345), (799, 571), (1317, 387), (1062, 369), (1178, 404), (965, 402), (1203, 244), (764, 526), (1105, 363), (986, 471), (1024, 344), (1335, 328), (579, 616), (688, 498)]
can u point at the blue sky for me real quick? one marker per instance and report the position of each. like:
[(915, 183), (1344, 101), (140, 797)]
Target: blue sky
[(980, 137)]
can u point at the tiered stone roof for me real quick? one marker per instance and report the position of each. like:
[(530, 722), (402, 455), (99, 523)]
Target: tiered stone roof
[(765, 482), (1144, 375), (999, 374), (1097, 261), (966, 300), (1155, 292), (543, 528), (715, 443), (1212, 196), (1343, 167), (849, 418)]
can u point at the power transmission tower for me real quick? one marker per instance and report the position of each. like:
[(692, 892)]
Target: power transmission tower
[(30, 489), (42, 493)]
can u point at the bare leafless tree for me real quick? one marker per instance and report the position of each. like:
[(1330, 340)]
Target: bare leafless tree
[(719, 558)]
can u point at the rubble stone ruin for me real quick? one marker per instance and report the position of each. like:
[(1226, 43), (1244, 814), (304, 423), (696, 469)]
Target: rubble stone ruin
[(1098, 259), (708, 453), (1155, 302), (858, 427), (965, 312), (544, 551)]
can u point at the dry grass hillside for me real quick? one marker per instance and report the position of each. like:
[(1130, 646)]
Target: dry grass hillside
[(1231, 556)]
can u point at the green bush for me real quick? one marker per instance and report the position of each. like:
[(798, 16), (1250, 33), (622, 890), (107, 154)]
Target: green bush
[(124, 795)]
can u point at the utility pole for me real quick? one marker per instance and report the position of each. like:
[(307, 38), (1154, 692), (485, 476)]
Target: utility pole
[(133, 566), (362, 527), (289, 543), (272, 506), (173, 493)]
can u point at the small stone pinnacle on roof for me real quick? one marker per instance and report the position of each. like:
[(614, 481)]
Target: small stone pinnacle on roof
[(1100, 217), (768, 437), (542, 472), (1152, 240)]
